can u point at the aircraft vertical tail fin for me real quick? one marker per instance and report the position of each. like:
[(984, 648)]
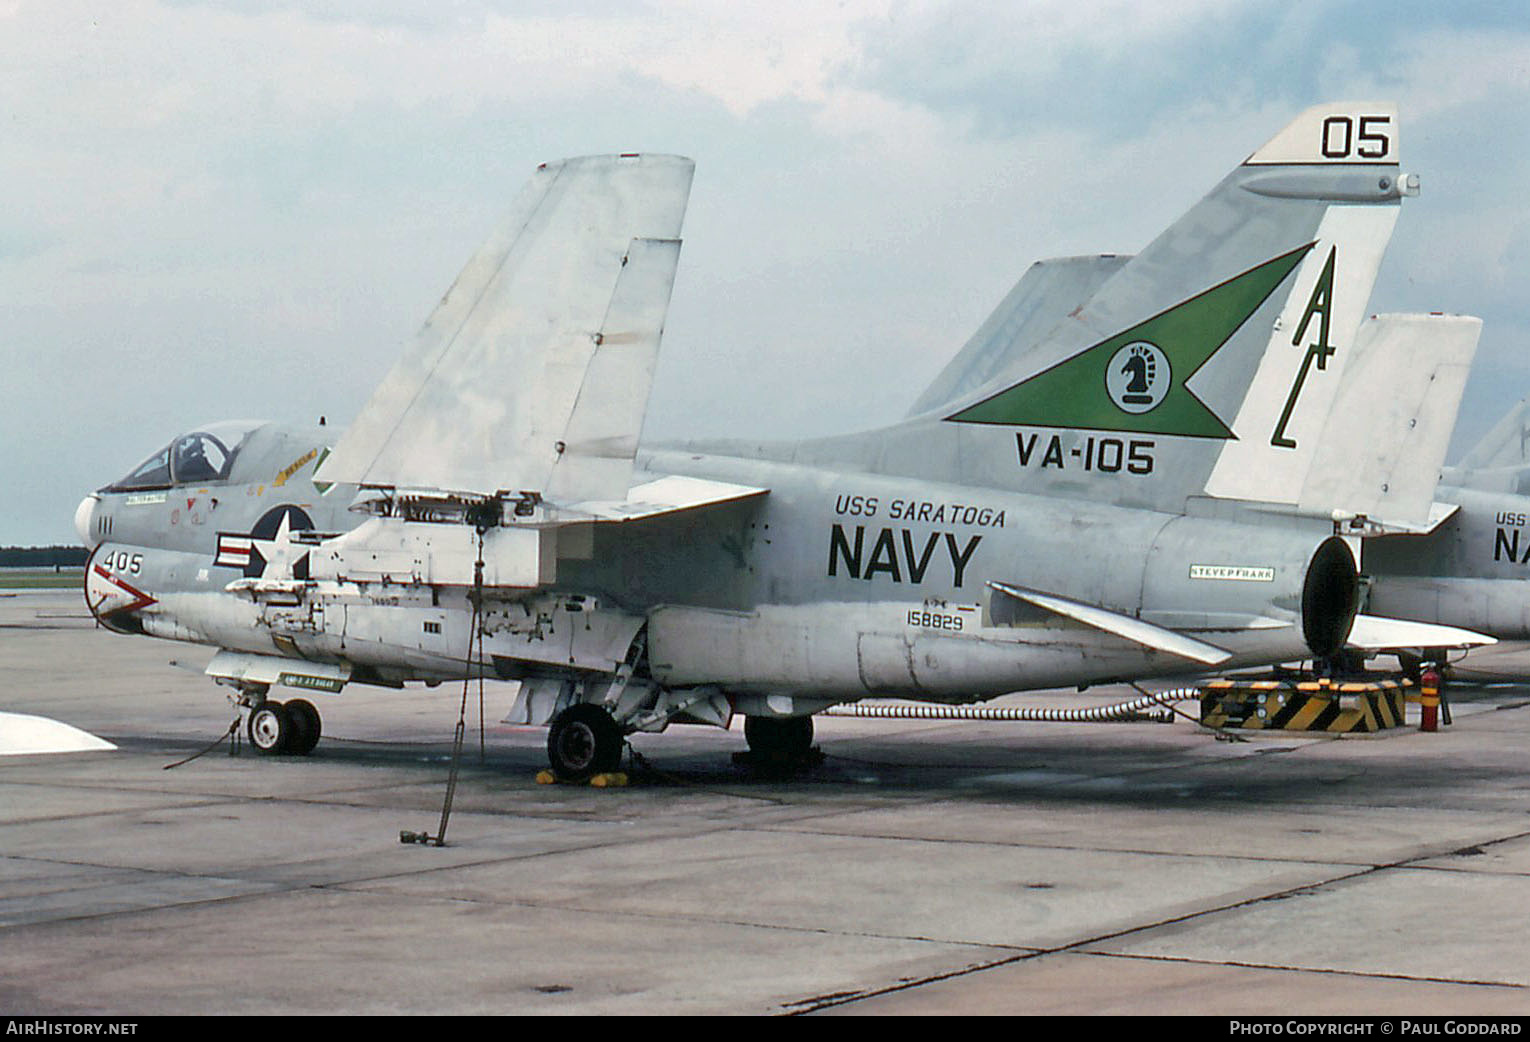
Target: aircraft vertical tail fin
[(1500, 462), (1216, 352), (1043, 297), (1507, 444), (1306, 364)]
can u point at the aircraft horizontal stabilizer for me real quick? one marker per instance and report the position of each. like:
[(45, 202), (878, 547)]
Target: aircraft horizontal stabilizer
[(1500, 462), (1373, 633), (1124, 626), (1439, 513)]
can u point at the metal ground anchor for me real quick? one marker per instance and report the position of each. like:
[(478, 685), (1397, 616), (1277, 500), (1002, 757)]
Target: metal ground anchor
[(424, 839)]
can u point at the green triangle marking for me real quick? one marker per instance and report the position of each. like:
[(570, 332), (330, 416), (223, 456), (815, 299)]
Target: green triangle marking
[(1135, 381)]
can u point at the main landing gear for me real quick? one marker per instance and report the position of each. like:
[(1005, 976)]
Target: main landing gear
[(284, 727), (780, 744), (584, 741)]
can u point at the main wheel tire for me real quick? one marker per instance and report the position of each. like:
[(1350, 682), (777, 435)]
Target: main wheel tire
[(779, 738), (270, 728), (584, 741), (306, 726)]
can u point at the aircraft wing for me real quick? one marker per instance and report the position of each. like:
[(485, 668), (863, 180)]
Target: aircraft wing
[(534, 370)]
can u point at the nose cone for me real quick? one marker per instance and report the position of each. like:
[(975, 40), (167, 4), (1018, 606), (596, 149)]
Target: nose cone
[(84, 518)]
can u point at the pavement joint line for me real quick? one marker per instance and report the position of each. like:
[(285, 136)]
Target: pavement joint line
[(354, 888), (203, 902), (1079, 946), (112, 813), (1363, 974), (298, 887), (324, 798), (813, 1004), (681, 917), (1080, 848), (155, 790)]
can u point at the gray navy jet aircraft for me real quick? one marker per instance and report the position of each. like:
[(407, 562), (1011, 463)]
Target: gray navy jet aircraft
[(1470, 570), (1143, 490)]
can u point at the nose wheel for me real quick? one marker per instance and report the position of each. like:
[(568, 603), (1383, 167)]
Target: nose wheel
[(270, 728), (284, 727)]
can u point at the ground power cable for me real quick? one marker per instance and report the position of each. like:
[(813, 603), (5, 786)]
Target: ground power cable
[(1117, 713)]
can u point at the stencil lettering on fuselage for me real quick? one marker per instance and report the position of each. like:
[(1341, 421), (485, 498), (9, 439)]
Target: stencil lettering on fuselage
[(1089, 453), (898, 554)]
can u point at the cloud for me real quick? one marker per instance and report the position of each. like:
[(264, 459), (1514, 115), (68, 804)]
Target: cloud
[(241, 208)]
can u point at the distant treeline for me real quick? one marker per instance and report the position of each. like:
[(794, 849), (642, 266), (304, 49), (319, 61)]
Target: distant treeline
[(43, 556)]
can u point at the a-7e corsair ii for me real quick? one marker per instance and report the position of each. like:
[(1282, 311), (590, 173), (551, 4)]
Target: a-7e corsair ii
[(1470, 570), (1071, 523)]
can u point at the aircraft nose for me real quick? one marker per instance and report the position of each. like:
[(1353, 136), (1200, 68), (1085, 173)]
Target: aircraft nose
[(84, 516)]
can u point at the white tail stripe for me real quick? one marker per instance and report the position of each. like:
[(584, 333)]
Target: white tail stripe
[(1282, 416)]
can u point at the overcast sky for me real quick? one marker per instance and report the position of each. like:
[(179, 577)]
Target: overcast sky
[(219, 210)]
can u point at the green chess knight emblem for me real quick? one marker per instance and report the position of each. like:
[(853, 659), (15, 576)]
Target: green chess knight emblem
[(1142, 370), (1138, 377)]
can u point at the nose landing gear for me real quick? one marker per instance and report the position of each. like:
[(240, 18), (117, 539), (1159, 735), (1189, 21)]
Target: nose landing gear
[(274, 727)]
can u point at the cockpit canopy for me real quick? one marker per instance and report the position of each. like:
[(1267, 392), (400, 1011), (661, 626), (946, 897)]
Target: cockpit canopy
[(200, 457)]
